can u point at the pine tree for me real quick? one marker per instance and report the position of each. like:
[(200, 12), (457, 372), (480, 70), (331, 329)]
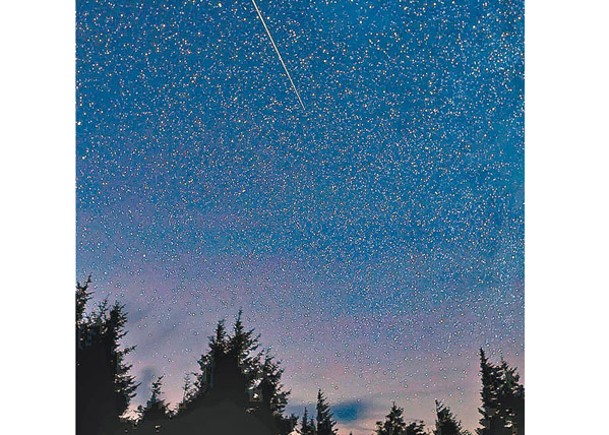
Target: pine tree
[(83, 295), (502, 399), (415, 428), (273, 396), (217, 348), (229, 373), (446, 423), (490, 421), (510, 397), (104, 386), (189, 392), (304, 427), (307, 426), (394, 424), (156, 408), (312, 426), (243, 343), (325, 419)]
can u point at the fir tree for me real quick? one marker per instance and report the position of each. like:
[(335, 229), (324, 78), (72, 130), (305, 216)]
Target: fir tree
[(273, 396), (394, 423), (83, 295), (304, 427), (156, 409), (502, 399), (243, 343), (104, 385), (446, 423), (189, 392), (223, 401), (415, 428), (312, 427), (510, 397), (490, 421), (217, 347), (307, 426), (325, 419)]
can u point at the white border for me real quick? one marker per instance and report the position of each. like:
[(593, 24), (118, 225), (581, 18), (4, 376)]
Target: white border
[(566, 217), (38, 216)]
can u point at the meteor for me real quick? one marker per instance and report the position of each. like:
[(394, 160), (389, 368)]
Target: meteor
[(285, 68)]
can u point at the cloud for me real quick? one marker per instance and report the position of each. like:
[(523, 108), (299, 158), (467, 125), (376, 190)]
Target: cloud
[(351, 410)]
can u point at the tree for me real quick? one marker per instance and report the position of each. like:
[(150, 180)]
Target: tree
[(446, 423), (415, 428), (237, 390), (394, 424), (156, 408), (510, 398), (83, 295), (274, 397), (325, 419), (189, 392), (104, 385), (243, 343), (307, 427), (502, 399)]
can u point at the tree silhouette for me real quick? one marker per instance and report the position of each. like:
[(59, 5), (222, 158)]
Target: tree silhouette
[(104, 386), (243, 343), (189, 392), (511, 398), (156, 408), (307, 426), (394, 424), (502, 399), (325, 419), (237, 390), (446, 423)]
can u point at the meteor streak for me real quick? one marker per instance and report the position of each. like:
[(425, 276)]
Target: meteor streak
[(285, 68)]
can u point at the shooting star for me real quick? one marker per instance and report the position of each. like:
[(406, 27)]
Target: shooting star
[(285, 68)]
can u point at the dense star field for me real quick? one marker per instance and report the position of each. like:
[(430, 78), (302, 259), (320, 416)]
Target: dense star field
[(373, 239)]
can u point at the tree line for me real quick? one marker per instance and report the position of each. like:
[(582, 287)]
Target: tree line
[(237, 389)]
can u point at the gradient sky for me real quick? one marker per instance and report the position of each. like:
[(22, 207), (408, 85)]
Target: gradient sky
[(375, 239)]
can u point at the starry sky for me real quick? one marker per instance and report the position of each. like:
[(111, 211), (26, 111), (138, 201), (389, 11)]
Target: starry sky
[(374, 238)]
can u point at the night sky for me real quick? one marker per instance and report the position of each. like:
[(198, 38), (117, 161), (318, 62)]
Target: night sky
[(375, 239)]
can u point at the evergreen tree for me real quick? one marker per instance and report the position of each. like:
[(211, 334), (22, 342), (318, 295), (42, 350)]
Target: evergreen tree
[(304, 427), (156, 409), (307, 426), (511, 398), (446, 423), (502, 399), (189, 392), (415, 428), (227, 378), (83, 295), (273, 397), (325, 419), (243, 343), (224, 400), (394, 424), (104, 386), (490, 421), (217, 348), (312, 426)]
